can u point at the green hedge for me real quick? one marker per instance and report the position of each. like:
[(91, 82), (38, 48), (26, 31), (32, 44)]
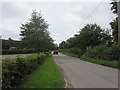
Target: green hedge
[(74, 51), (15, 70), (104, 52), (17, 51)]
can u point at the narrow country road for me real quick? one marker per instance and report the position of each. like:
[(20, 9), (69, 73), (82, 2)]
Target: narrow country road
[(81, 74)]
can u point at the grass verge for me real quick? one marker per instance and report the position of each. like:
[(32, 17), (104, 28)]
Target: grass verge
[(47, 75), (113, 64), (14, 71), (70, 54)]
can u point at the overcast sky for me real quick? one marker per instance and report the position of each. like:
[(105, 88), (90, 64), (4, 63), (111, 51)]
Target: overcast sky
[(64, 18)]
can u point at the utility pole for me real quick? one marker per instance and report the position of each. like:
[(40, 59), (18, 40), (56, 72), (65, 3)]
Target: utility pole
[(118, 10)]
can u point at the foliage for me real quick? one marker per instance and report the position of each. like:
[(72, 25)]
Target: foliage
[(72, 52), (62, 45), (6, 44), (76, 51), (114, 23), (68, 53), (35, 35), (92, 35), (15, 70), (47, 75), (113, 64), (114, 7), (109, 63), (114, 26), (72, 42), (89, 36), (104, 52), (18, 51)]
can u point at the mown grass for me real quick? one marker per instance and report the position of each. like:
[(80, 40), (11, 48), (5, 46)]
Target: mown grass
[(109, 63), (47, 75)]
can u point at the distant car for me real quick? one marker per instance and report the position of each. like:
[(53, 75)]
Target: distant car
[(55, 52)]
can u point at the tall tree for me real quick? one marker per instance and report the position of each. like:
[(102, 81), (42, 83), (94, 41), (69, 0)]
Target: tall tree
[(92, 35), (89, 36), (72, 42), (34, 33)]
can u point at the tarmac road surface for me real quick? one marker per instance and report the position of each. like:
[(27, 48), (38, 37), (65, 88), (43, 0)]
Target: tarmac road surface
[(81, 74)]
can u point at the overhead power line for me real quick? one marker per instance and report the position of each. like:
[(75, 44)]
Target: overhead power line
[(92, 12)]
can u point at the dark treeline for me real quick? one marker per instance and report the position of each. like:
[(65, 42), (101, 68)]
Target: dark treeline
[(7, 43)]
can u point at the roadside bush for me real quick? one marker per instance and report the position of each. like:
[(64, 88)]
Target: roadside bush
[(76, 51), (113, 53), (18, 51), (104, 52), (113, 64), (96, 52), (64, 50), (15, 70)]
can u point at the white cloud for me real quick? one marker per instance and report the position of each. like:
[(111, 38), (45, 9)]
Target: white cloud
[(70, 17), (77, 8), (56, 0), (24, 7)]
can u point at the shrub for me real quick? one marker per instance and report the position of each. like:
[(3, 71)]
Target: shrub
[(64, 50), (76, 51), (15, 70), (104, 52), (113, 53), (96, 52), (113, 64), (18, 51)]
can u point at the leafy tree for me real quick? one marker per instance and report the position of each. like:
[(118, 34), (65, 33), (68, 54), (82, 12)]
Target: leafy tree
[(114, 23), (114, 7), (62, 45), (54, 46), (89, 36), (72, 42), (34, 33), (114, 26)]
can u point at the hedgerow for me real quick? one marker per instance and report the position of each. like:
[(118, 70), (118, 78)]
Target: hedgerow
[(15, 70), (18, 51), (104, 52), (75, 51)]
